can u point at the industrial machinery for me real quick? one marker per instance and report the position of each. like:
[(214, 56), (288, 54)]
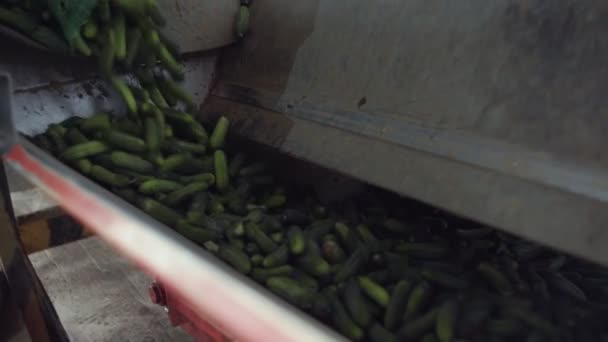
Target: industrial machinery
[(487, 110)]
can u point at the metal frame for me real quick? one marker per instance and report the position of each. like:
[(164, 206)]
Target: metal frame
[(232, 302), (25, 309)]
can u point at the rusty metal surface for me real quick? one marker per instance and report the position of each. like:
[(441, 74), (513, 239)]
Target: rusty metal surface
[(491, 110)]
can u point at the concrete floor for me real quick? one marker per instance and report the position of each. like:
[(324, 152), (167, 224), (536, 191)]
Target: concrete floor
[(99, 296)]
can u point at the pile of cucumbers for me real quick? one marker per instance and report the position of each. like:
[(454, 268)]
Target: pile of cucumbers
[(375, 270), (376, 273), (124, 36)]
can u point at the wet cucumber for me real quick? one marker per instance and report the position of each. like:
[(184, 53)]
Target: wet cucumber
[(418, 327), (417, 300), (235, 257), (186, 192), (445, 279), (296, 240), (256, 234), (314, 265), (356, 305), (277, 258), (262, 274), (108, 177), (378, 333), (84, 150), (396, 304), (131, 162), (124, 141), (155, 186), (498, 280), (343, 321), (446, 321), (222, 180), (178, 146), (74, 136), (159, 211), (291, 290), (352, 264), (347, 236), (199, 235), (374, 291), (218, 136), (206, 177)]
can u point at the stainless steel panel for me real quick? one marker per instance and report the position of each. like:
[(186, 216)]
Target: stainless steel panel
[(491, 110)]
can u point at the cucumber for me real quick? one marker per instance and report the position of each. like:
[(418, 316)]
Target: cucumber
[(291, 290), (83, 165), (347, 237), (124, 141), (159, 211), (222, 180), (108, 177), (296, 240), (120, 34), (352, 264), (277, 258), (256, 261), (152, 136), (175, 162), (365, 234), (374, 291), (446, 321), (84, 150), (396, 304), (124, 91), (218, 136), (242, 21), (258, 236), (134, 38), (418, 327), (177, 146), (418, 299), (74, 136), (498, 280), (356, 305), (235, 257), (155, 186), (314, 265), (445, 279), (186, 192), (344, 322), (131, 162), (274, 201), (262, 274), (199, 235), (320, 228), (206, 177), (378, 333)]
